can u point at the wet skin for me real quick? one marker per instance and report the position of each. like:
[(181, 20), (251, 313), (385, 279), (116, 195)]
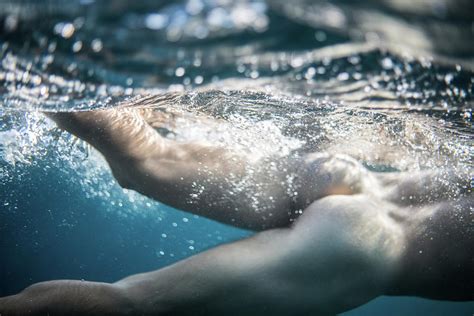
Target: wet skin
[(333, 238)]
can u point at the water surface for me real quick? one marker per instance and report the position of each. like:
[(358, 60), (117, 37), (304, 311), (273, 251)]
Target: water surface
[(388, 82)]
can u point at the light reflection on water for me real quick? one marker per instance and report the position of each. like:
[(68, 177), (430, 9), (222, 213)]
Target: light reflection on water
[(388, 82)]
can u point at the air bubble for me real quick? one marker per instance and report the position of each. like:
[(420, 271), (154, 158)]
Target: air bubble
[(66, 30), (254, 74), (77, 46), (156, 21), (387, 63), (96, 45), (179, 72), (320, 36), (198, 79), (448, 78), (343, 76)]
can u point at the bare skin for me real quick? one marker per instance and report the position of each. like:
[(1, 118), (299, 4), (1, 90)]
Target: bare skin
[(333, 238)]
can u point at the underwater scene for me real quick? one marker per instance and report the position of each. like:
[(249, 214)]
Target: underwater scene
[(386, 86)]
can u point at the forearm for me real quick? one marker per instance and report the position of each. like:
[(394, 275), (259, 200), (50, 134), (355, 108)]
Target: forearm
[(67, 298), (121, 135), (200, 178), (114, 132), (233, 279), (221, 281)]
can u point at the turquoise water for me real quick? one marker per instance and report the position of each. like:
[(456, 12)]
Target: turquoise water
[(395, 77)]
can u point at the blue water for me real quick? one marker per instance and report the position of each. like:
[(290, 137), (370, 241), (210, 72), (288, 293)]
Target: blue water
[(53, 232), (342, 67)]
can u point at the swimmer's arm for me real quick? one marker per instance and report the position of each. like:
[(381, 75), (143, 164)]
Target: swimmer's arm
[(190, 176), (120, 134), (337, 256), (68, 298), (231, 279), (315, 267)]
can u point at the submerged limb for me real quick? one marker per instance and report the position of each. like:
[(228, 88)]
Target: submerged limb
[(299, 270), (121, 135), (291, 271), (200, 178), (438, 261), (122, 132), (67, 298)]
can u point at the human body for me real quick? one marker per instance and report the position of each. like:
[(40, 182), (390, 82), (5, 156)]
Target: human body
[(337, 238)]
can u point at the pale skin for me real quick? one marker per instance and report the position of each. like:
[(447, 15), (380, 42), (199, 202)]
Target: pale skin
[(333, 238)]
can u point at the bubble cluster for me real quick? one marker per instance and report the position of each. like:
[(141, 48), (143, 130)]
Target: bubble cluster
[(272, 79)]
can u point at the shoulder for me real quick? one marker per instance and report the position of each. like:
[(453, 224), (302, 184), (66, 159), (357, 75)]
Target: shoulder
[(356, 228), (356, 215), (341, 252)]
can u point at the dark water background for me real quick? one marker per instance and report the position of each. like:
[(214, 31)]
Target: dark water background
[(61, 214)]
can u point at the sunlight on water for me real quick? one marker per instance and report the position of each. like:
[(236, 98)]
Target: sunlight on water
[(383, 105), (387, 82)]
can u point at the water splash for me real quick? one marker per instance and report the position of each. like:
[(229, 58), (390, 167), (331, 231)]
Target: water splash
[(231, 73)]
